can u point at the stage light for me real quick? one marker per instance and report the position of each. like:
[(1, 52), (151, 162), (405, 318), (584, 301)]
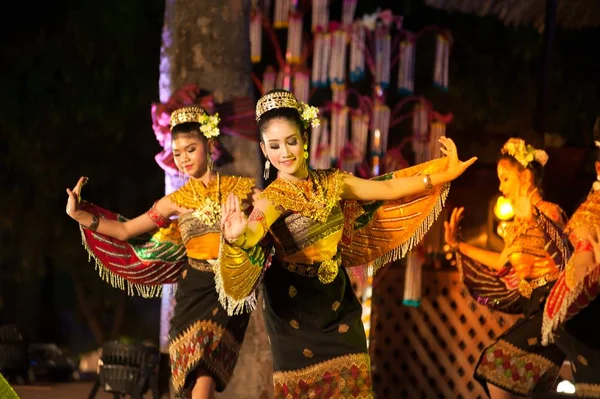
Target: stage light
[(565, 387), (503, 209)]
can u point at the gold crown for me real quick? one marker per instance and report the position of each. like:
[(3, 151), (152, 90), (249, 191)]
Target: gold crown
[(275, 100), (188, 114)]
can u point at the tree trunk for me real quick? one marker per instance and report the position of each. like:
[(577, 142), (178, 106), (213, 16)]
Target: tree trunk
[(207, 42), (87, 311)]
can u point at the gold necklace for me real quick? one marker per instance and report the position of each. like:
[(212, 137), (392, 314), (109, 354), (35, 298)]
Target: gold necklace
[(209, 212)]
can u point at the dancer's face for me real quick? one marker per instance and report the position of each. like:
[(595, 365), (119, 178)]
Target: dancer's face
[(189, 152), (283, 146), (511, 178)]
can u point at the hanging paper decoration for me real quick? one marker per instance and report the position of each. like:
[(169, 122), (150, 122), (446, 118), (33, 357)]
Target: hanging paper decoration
[(357, 52), (321, 58), (348, 9), (294, 42), (406, 69), (301, 86), (381, 122), (338, 95), (350, 158), (284, 79), (320, 14), (315, 137), (420, 122), (412, 279), (360, 132), (339, 48), (442, 54), (256, 35), (319, 157), (383, 49), (282, 13), (269, 79), (437, 130), (339, 132)]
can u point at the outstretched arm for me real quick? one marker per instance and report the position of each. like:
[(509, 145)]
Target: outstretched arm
[(247, 232), (156, 216), (372, 190)]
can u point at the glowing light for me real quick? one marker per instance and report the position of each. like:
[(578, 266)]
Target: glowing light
[(565, 387), (503, 209)]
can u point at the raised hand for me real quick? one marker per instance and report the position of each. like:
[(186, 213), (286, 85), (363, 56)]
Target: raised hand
[(233, 220), (73, 199), (452, 227), (456, 167)]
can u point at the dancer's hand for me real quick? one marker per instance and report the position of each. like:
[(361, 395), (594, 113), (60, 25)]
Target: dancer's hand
[(233, 220), (452, 228), (456, 167), (74, 197)]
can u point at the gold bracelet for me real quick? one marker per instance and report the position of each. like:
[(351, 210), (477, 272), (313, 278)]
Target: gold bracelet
[(240, 245), (95, 222), (427, 182)]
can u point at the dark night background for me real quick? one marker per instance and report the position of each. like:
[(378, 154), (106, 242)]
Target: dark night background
[(75, 93)]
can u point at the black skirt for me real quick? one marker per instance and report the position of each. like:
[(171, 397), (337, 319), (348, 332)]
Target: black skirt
[(316, 334), (202, 335)]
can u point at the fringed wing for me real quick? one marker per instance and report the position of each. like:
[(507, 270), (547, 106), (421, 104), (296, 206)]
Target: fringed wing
[(140, 265), (379, 232), (564, 303), (557, 242), (238, 273), (496, 290)]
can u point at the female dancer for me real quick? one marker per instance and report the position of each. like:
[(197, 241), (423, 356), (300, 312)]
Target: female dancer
[(572, 305), (317, 225), (204, 340), (518, 279)]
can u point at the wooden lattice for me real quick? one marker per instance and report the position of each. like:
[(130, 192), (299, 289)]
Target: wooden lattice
[(429, 351)]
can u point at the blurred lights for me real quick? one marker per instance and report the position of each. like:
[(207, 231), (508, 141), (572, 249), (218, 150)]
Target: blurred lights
[(565, 387), (503, 209)]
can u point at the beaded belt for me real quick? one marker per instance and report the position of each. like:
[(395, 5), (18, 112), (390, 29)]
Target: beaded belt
[(527, 287), (201, 265), (326, 270)]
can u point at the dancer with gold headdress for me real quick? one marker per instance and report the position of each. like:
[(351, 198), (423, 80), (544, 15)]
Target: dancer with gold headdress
[(518, 279), (204, 339), (321, 222), (572, 305)]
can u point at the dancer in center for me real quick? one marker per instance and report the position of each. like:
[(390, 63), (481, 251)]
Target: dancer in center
[(321, 222)]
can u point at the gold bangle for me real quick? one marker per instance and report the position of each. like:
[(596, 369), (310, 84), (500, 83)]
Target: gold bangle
[(427, 182), (95, 222), (242, 244)]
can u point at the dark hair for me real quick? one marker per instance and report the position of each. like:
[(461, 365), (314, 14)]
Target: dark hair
[(536, 168), (188, 128), (213, 146), (290, 114)]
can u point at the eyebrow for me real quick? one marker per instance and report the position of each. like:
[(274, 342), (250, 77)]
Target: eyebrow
[(288, 137), (184, 148)]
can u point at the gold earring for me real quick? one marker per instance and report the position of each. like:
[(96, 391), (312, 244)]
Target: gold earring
[(267, 170), (305, 151)]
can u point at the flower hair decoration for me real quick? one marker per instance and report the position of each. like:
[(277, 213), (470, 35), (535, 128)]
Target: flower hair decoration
[(524, 153), (285, 99), (208, 123)]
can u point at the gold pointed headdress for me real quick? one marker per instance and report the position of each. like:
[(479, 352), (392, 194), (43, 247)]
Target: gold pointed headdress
[(284, 99), (194, 113)]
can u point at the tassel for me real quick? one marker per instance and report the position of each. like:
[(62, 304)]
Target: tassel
[(320, 15), (357, 52), (406, 69), (381, 122), (325, 60), (323, 157), (301, 86), (282, 14), (294, 42), (420, 133), (437, 129), (337, 67), (382, 57), (442, 52), (256, 35), (348, 10), (315, 138), (360, 132), (339, 132), (413, 279), (317, 62), (269, 78)]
